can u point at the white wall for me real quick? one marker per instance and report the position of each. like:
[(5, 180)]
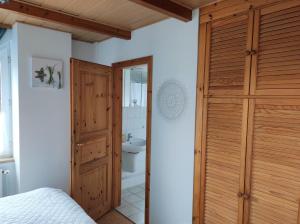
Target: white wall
[(41, 116), (83, 50), (173, 45)]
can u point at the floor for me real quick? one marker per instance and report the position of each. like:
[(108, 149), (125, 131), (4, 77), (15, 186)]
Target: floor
[(133, 203), (114, 217)]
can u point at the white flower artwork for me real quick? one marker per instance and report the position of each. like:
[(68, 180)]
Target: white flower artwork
[(171, 99), (47, 73)]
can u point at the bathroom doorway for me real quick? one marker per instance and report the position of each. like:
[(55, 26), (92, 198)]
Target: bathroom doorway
[(132, 138)]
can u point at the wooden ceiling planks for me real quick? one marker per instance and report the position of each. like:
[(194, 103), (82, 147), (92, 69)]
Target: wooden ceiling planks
[(48, 14), (122, 14), (194, 4), (170, 8), (117, 13)]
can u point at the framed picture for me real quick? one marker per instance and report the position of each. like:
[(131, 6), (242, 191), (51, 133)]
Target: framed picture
[(47, 73)]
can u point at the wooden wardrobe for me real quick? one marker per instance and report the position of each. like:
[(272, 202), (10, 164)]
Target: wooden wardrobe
[(247, 149)]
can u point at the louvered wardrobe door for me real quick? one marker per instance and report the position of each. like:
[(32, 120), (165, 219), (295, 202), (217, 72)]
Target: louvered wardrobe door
[(276, 66), (227, 61), (275, 179), (224, 143)]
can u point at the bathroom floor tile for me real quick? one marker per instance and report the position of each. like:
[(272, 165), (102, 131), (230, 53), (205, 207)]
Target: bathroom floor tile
[(123, 201), (132, 199), (137, 217), (135, 190), (128, 210), (142, 186), (125, 193), (140, 205), (133, 203), (141, 195)]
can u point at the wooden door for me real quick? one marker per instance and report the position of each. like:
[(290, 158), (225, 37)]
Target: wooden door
[(224, 147), (228, 55), (276, 67), (273, 162), (91, 96)]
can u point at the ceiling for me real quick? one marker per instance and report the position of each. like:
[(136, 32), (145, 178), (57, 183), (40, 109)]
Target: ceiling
[(193, 4), (122, 14)]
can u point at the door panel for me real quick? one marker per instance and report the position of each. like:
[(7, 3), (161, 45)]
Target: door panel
[(93, 150), (93, 113), (227, 59), (275, 177), (225, 145), (95, 191), (276, 67), (92, 137)]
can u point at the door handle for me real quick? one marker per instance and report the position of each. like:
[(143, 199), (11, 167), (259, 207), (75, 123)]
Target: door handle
[(243, 195), (250, 52), (240, 194), (246, 196)]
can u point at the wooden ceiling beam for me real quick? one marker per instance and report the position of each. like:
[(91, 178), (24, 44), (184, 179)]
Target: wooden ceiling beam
[(167, 7), (60, 17), (5, 26)]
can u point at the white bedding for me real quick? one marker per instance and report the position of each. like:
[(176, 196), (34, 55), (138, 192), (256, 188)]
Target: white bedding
[(42, 206)]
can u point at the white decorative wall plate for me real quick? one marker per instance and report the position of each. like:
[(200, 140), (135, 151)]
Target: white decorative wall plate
[(171, 99)]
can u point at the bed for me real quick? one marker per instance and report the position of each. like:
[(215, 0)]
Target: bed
[(42, 206)]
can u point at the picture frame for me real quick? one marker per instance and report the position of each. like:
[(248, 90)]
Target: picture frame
[(47, 73)]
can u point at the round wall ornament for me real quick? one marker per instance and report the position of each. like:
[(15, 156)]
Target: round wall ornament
[(171, 99)]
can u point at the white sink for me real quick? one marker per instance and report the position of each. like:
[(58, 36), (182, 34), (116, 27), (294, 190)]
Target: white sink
[(134, 155), (135, 145)]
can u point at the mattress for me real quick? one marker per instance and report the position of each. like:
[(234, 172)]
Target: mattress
[(42, 206)]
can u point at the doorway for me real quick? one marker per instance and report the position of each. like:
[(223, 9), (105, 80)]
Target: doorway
[(132, 138)]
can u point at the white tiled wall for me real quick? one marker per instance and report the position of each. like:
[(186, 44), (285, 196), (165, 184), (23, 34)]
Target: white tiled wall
[(134, 121)]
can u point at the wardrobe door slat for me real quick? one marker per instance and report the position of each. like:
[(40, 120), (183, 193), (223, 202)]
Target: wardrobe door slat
[(275, 163), (276, 66), (229, 41), (225, 145)]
